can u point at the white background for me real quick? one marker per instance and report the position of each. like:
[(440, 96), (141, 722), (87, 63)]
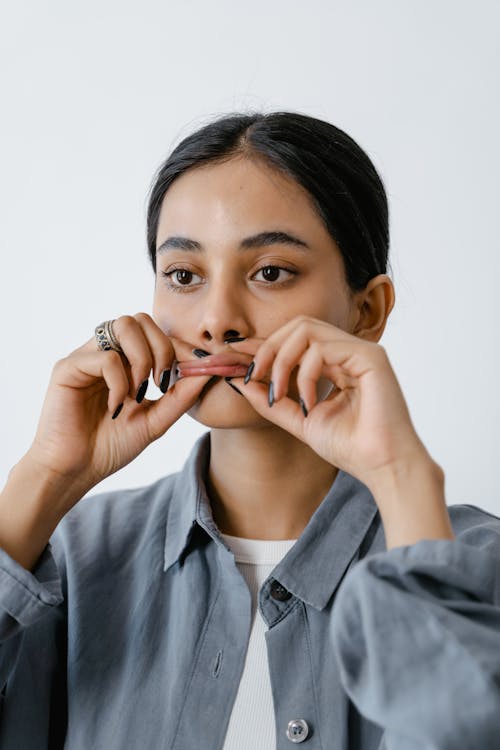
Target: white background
[(94, 95)]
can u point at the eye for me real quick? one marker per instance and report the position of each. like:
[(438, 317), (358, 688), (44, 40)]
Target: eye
[(271, 274), (182, 277), (179, 279)]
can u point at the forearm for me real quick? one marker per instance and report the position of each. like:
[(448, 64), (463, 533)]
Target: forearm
[(31, 505), (412, 504)]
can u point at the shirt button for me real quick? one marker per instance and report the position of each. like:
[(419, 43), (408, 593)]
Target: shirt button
[(297, 730), (279, 592)]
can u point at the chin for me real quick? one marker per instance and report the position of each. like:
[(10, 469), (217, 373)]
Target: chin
[(220, 406)]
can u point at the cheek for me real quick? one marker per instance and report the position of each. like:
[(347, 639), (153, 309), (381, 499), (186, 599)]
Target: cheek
[(312, 300), (165, 315), (273, 320), (159, 315), (330, 311)]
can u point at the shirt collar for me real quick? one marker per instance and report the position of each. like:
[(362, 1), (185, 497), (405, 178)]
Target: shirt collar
[(315, 565)]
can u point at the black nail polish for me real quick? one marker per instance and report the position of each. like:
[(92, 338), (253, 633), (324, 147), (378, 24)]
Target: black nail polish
[(303, 406), (228, 381), (201, 353), (234, 338), (165, 380), (249, 372), (270, 395), (117, 411), (142, 391)]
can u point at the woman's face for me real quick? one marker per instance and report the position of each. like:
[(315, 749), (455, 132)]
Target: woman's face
[(223, 288)]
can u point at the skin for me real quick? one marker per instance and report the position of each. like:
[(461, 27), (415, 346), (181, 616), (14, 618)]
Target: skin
[(271, 464), (263, 482)]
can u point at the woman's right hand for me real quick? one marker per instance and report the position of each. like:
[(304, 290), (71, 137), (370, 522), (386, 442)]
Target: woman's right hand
[(76, 438)]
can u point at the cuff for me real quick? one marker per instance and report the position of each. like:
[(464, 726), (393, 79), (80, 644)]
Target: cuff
[(25, 595)]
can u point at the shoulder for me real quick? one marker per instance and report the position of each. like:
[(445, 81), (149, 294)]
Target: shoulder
[(110, 532), (101, 527)]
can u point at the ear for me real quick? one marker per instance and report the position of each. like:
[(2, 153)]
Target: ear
[(372, 307)]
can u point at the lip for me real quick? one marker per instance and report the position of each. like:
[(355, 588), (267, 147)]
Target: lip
[(224, 371), (224, 364)]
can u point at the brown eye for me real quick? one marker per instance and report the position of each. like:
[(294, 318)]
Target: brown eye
[(271, 273), (183, 276), (178, 278)]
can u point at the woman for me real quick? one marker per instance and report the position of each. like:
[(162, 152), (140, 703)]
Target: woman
[(301, 579)]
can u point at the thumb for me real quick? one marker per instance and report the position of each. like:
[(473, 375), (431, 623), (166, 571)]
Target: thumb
[(285, 413), (178, 399)]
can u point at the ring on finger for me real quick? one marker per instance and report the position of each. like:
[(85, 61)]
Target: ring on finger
[(106, 338)]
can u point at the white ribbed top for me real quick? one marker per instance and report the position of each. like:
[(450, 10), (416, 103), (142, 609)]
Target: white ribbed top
[(255, 559)]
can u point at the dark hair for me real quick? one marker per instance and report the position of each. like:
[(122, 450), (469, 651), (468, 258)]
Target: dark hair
[(344, 185)]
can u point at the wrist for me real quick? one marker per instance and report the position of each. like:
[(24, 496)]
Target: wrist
[(389, 481), (411, 499), (32, 504), (50, 494)]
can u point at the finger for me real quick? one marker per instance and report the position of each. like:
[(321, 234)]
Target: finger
[(287, 413), (180, 397), (144, 347), (82, 369), (342, 352), (300, 326), (316, 382), (161, 349), (310, 371), (249, 345), (289, 353), (136, 349), (290, 356)]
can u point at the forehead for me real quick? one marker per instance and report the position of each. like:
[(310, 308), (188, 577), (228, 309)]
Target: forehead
[(240, 196)]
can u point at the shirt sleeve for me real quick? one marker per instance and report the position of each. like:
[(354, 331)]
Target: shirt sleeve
[(25, 595), (33, 637), (416, 634)]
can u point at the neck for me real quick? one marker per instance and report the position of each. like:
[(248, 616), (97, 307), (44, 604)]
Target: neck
[(264, 483)]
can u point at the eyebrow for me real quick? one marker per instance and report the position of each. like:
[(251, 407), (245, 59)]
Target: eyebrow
[(257, 240)]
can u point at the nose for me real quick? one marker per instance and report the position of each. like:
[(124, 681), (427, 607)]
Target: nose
[(222, 316)]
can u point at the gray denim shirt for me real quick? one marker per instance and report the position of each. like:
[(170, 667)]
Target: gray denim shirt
[(132, 629)]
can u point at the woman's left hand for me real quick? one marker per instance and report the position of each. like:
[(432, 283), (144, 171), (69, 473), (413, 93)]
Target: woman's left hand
[(363, 426)]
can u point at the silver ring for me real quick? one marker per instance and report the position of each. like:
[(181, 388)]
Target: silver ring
[(105, 337)]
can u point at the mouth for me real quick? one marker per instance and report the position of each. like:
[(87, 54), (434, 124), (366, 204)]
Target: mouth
[(225, 364)]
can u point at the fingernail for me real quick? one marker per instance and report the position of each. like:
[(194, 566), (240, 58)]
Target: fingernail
[(165, 380), (142, 391), (201, 353), (117, 411), (270, 395), (234, 338), (303, 408), (228, 381), (249, 372)]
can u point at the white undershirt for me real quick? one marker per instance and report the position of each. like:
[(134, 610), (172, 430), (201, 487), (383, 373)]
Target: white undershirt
[(255, 559)]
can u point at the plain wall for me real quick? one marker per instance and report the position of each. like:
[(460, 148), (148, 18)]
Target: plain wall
[(95, 95)]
